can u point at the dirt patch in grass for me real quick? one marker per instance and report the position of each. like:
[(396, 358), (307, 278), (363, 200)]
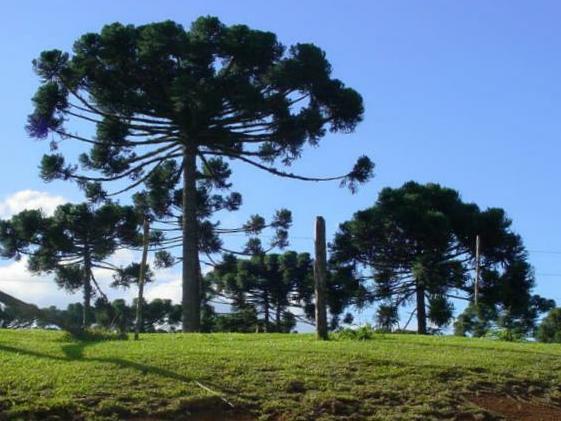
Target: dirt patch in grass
[(513, 409)]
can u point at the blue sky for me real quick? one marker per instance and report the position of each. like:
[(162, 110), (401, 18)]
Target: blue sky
[(463, 93)]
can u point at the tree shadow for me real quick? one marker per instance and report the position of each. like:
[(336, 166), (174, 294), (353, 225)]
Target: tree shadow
[(75, 352), (198, 408)]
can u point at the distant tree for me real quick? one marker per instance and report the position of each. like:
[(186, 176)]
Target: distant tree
[(22, 312), (550, 327), (272, 292), (506, 302), (267, 284), (13, 318), (387, 317), (244, 320), (475, 320), (73, 242), (139, 273), (417, 244), (161, 97), (160, 312), (116, 315)]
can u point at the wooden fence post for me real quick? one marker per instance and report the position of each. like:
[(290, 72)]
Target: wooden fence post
[(477, 270), (320, 273)]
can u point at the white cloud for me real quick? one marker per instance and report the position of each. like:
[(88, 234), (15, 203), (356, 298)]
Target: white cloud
[(167, 285), (29, 199), (16, 280)]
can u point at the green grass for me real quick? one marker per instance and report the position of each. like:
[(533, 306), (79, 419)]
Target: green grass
[(44, 375)]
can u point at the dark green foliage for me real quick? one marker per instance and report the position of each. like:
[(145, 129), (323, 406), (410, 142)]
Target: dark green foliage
[(127, 276), (267, 285), (15, 313), (270, 292), (172, 105), (157, 314), (507, 304), (550, 327), (96, 334), (71, 243), (116, 315), (12, 318), (362, 333), (387, 317), (245, 320), (417, 244), (441, 310), (475, 320)]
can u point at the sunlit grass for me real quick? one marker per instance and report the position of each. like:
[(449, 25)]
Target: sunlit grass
[(167, 375)]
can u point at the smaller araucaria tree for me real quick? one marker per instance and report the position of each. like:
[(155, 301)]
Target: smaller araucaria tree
[(417, 244), (278, 289), (77, 239)]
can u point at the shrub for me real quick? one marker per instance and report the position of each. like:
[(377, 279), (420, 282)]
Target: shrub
[(506, 334), (550, 328), (362, 333), (96, 334)]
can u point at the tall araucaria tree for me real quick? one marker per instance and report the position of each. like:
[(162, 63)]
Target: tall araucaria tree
[(158, 93), (72, 243)]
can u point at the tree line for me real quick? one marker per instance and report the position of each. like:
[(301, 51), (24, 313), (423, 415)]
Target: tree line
[(415, 247), (169, 109)]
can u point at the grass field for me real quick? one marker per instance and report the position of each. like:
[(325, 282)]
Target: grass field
[(269, 376)]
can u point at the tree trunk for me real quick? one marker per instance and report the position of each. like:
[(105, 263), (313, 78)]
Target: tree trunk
[(421, 310), (86, 316), (141, 276), (278, 317), (267, 313), (320, 273), (191, 282)]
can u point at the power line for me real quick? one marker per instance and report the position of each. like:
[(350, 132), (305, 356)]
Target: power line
[(545, 251)]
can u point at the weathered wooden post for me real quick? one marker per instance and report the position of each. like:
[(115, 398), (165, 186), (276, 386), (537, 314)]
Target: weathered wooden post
[(477, 271), (320, 273)]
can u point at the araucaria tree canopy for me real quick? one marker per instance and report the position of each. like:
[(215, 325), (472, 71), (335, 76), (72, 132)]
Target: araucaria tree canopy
[(77, 239), (417, 244), (160, 93)]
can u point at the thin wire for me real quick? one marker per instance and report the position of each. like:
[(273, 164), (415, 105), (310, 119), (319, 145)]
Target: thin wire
[(545, 251), (269, 236)]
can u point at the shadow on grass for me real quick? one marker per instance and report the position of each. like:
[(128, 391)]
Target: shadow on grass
[(199, 406), (75, 352)]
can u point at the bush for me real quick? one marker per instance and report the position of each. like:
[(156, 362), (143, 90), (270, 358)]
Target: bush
[(549, 330), (506, 334), (362, 333), (96, 334)]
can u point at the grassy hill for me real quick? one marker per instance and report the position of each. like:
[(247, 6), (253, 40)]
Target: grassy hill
[(192, 376)]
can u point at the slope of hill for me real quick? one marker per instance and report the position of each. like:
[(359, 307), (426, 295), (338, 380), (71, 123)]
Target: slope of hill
[(274, 376)]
